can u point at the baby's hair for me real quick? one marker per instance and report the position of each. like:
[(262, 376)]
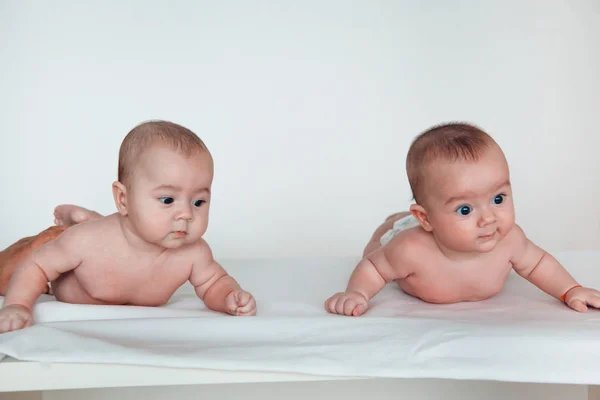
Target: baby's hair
[(448, 142), (149, 133)]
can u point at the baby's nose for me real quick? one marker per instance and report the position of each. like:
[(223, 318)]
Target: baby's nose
[(185, 212), (487, 217)]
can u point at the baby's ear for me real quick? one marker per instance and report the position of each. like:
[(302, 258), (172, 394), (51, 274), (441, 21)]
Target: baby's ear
[(120, 196), (421, 215)]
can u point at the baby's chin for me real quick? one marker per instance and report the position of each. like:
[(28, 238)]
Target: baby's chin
[(487, 246), (478, 246), (172, 246), (179, 243)]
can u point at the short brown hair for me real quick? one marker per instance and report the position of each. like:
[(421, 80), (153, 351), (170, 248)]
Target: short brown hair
[(148, 133), (449, 142)]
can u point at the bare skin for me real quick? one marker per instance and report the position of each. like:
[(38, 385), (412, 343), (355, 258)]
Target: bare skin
[(451, 257), (12, 255), (138, 256), (69, 214), (64, 216)]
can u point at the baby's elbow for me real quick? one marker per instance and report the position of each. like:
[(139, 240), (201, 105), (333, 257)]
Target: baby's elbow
[(48, 276), (381, 265), (205, 283), (530, 265), (521, 271)]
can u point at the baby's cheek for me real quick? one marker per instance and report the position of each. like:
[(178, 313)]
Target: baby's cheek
[(158, 226), (508, 220), (201, 226), (465, 237), (462, 234), (203, 218)]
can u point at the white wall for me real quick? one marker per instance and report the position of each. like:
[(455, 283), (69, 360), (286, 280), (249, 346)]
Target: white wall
[(308, 108)]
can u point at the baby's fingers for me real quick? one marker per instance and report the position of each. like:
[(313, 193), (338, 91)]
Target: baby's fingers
[(243, 298), (594, 300), (331, 302), (4, 325), (578, 305), (249, 308), (340, 304), (16, 324), (231, 303), (359, 310), (349, 306)]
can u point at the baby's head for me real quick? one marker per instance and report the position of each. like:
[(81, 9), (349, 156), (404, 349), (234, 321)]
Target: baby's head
[(461, 185), (164, 183)]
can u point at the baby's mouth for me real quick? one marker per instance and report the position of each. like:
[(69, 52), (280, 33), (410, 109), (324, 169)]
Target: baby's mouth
[(488, 236)]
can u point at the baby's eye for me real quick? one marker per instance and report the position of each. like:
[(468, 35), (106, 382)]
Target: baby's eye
[(464, 210), (166, 200), (198, 203), (499, 199)]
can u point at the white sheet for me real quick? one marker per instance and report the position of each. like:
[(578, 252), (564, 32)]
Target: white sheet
[(520, 335)]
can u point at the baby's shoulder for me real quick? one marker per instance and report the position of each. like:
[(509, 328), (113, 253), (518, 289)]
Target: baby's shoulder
[(195, 252), (515, 243), (411, 245), (94, 232)]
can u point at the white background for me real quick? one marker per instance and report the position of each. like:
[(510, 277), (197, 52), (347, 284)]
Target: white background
[(308, 108)]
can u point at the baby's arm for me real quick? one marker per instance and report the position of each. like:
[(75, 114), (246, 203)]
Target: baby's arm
[(31, 278), (217, 289), (371, 275), (544, 271)]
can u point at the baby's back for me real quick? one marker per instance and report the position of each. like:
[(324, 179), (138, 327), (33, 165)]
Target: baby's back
[(114, 271)]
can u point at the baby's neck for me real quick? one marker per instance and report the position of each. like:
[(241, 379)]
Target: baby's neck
[(136, 242)]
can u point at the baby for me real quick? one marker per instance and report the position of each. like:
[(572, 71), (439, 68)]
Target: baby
[(143, 253), (459, 241)]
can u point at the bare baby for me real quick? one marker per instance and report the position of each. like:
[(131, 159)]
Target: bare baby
[(143, 253), (459, 241)]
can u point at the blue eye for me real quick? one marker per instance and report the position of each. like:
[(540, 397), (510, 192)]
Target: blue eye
[(198, 203), (166, 200), (464, 210), (499, 199)]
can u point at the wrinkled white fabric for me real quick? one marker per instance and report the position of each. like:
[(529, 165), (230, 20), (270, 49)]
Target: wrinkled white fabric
[(522, 334)]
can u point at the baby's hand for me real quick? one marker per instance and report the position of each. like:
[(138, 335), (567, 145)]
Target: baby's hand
[(579, 298), (14, 317), (240, 302), (347, 303)]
